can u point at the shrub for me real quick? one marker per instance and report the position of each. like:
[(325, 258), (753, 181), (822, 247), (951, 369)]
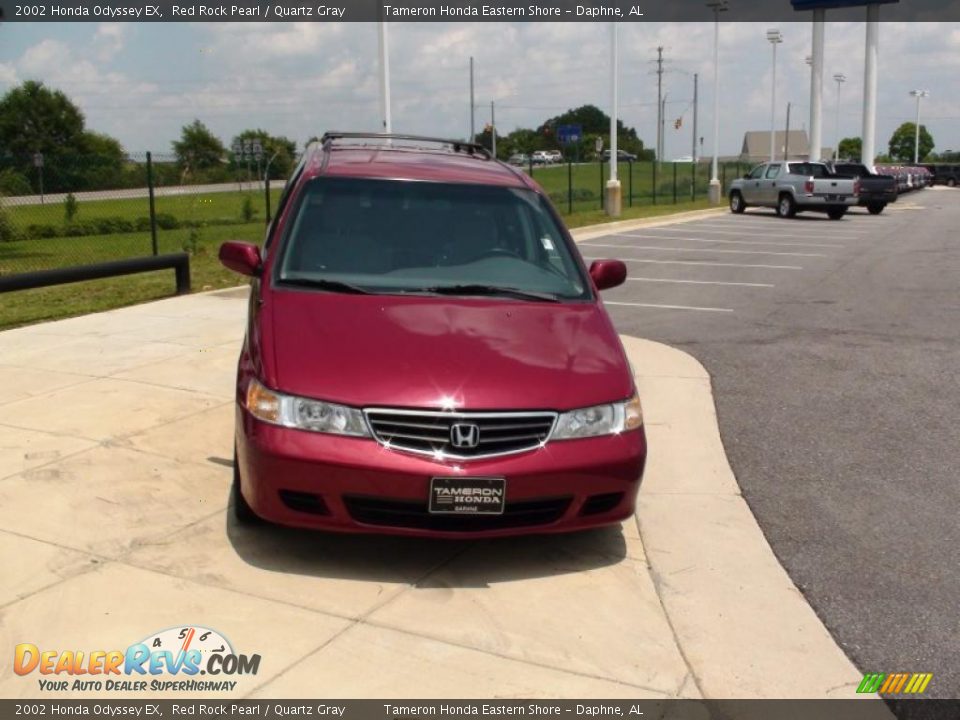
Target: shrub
[(166, 221), (192, 241), (14, 183), (70, 208), (36, 231), (142, 224), (247, 210), (8, 231)]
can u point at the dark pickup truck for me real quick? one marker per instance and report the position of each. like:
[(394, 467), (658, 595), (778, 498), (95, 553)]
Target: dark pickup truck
[(876, 191)]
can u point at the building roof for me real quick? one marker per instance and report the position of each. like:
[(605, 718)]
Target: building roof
[(756, 144)]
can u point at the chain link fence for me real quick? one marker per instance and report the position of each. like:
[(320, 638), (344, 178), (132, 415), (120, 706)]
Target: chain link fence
[(580, 187), (83, 209)]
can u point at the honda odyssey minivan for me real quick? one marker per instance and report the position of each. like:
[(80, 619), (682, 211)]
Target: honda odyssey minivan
[(427, 354)]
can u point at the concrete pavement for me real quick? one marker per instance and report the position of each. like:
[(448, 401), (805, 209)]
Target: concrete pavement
[(116, 465)]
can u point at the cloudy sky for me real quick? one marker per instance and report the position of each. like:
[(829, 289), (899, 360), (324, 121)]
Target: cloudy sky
[(142, 82)]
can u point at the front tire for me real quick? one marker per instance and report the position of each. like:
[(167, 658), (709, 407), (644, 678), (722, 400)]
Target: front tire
[(737, 205), (242, 512), (951, 182), (786, 207), (876, 208), (836, 213)]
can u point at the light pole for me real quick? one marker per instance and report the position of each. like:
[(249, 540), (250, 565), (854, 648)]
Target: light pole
[(384, 48), (775, 39), (718, 6), (841, 79), (918, 94), (614, 199)]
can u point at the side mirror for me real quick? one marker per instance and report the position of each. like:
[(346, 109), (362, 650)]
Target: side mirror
[(241, 257), (608, 274)]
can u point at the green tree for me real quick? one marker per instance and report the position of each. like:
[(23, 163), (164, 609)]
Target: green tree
[(851, 148), (198, 149), (281, 149), (35, 119), (903, 139)]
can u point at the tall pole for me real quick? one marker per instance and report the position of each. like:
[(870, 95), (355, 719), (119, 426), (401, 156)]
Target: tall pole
[(694, 153), (614, 199), (918, 94), (493, 129), (659, 104), (663, 124), (718, 6), (384, 46), (870, 86), (473, 132), (786, 137), (816, 85), (775, 39), (840, 78)]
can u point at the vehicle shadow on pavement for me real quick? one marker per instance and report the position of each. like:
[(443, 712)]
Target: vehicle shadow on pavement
[(424, 563)]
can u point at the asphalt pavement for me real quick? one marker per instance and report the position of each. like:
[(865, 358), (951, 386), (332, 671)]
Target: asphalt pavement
[(833, 348)]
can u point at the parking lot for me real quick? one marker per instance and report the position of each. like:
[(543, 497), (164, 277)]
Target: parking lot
[(833, 350), (833, 353)]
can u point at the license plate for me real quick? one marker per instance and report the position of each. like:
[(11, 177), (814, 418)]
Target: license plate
[(831, 197), (467, 496)]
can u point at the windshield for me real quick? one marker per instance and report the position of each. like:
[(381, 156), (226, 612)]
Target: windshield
[(395, 236)]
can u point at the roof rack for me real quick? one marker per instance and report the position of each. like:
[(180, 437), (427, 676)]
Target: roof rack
[(458, 146)]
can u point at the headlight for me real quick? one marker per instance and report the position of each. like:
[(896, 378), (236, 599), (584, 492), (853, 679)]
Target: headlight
[(304, 414), (600, 420)]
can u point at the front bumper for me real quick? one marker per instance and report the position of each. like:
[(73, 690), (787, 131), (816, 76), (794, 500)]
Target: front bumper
[(329, 482)]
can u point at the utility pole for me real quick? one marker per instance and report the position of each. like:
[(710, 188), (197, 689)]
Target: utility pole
[(493, 129), (660, 103), (695, 83), (718, 6), (918, 94), (870, 85), (473, 132), (775, 38), (840, 78)]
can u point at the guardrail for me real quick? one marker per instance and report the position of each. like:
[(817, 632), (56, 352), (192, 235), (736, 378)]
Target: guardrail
[(178, 262)]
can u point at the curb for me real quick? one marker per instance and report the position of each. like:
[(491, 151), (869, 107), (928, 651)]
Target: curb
[(743, 627), (588, 232)]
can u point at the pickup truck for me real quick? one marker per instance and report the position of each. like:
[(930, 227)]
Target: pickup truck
[(876, 191), (793, 187)]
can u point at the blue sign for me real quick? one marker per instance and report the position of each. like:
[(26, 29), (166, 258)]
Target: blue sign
[(569, 134)]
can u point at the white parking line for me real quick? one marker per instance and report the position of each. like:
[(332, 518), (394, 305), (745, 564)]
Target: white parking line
[(699, 282), (668, 307), (710, 250), (821, 228), (698, 262), (733, 232)]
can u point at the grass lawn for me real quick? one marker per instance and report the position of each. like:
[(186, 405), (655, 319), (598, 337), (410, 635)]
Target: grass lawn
[(31, 306)]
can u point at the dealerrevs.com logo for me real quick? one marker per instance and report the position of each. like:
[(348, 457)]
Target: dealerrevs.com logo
[(170, 660)]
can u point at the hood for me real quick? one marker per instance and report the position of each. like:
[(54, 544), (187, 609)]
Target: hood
[(375, 350)]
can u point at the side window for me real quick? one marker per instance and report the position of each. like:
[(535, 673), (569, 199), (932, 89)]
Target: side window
[(756, 173), (773, 171), (284, 199)]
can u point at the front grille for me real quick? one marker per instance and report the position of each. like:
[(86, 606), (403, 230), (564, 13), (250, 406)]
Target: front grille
[(432, 432), (407, 514)]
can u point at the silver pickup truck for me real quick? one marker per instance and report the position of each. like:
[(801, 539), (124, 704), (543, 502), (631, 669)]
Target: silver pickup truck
[(793, 187)]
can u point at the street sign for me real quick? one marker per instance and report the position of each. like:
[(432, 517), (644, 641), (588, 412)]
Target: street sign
[(569, 134), (599, 144), (38, 160)]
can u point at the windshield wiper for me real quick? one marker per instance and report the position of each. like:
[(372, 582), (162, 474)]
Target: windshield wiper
[(490, 290), (323, 284)]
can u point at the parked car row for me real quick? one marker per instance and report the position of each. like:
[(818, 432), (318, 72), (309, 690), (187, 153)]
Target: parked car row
[(908, 177)]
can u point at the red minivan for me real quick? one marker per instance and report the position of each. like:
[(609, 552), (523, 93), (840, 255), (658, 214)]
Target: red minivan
[(427, 354)]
